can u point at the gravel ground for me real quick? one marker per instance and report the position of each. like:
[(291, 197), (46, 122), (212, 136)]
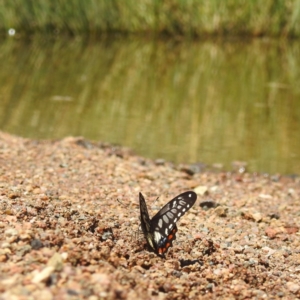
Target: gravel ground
[(69, 223)]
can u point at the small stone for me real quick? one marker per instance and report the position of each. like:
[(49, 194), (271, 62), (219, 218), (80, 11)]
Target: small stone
[(25, 237), (5, 251), (274, 216), (238, 249), (292, 192), (5, 245), (11, 232), (10, 281), (187, 169), (13, 195), (290, 229), (201, 190), (254, 216), (271, 232), (269, 250), (56, 262), (160, 162), (43, 275), (64, 256), (293, 287), (264, 196), (3, 258), (24, 250), (36, 244), (257, 217), (214, 188), (221, 211), (206, 205)]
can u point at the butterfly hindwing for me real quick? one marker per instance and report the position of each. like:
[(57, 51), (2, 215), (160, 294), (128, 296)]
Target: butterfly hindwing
[(145, 221), (161, 230)]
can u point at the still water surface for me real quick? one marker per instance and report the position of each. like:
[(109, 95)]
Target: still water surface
[(185, 101)]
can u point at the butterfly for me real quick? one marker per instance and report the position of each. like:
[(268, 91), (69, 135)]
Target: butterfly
[(161, 230)]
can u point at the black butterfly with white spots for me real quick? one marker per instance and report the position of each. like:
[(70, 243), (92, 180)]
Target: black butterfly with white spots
[(161, 230)]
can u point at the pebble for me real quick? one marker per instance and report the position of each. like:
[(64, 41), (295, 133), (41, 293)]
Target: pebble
[(221, 211), (43, 275), (21, 251), (56, 261), (11, 232), (293, 287), (201, 190)]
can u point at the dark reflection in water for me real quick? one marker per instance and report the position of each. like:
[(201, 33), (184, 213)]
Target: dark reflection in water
[(183, 101)]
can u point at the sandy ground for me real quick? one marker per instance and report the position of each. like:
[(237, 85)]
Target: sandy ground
[(69, 220)]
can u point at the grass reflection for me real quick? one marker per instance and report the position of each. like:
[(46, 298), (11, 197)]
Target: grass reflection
[(186, 101)]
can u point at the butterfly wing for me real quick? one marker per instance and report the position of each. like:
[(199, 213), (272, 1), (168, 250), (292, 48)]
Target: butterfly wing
[(161, 230), (163, 224), (182, 203), (146, 223)]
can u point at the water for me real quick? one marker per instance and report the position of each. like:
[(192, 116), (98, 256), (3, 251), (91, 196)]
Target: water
[(184, 101)]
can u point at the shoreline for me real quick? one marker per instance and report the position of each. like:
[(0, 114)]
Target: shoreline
[(69, 213)]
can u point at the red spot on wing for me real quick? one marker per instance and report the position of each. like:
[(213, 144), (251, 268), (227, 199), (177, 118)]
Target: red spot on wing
[(170, 238)]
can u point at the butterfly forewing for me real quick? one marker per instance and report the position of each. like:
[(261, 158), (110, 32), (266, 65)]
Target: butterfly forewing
[(175, 209), (146, 223), (145, 219), (161, 229)]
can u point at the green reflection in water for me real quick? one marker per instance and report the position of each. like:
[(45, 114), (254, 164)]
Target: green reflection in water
[(184, 101)]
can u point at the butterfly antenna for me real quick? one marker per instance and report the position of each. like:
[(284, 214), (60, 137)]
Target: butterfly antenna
[(153, 205), (120, 201)]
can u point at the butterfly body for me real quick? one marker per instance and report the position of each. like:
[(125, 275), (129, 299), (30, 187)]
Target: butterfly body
[(160, 231)]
